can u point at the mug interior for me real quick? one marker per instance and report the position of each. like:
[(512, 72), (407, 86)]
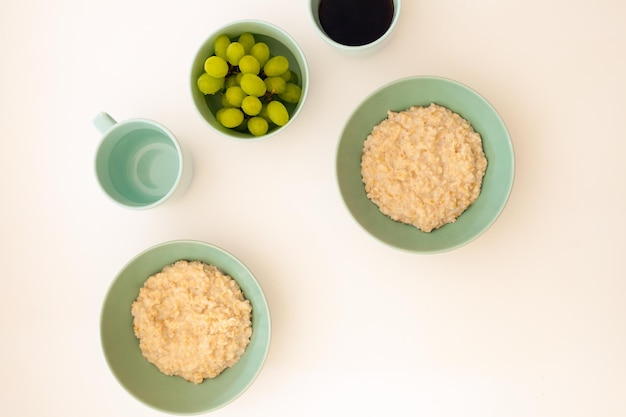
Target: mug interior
[(138, 164)]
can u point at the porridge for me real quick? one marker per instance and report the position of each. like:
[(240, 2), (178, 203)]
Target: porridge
[(423, 166), (192, 320)]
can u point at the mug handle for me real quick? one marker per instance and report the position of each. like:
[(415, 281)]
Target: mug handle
[(103, 122)]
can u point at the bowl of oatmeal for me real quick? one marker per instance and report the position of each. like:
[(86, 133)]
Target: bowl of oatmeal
[(185, 327), (425, 164)]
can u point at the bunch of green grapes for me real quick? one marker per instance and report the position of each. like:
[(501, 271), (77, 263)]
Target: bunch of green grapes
[(254, 85)]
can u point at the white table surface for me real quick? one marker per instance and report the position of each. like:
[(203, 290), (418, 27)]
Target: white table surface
[(527, 320)]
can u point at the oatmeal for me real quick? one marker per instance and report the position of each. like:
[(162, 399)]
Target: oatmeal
[(192, 320), (423, 166)]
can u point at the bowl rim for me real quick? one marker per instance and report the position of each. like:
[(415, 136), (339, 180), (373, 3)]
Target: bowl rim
[(252, 280), (298, 53), (510, 171)]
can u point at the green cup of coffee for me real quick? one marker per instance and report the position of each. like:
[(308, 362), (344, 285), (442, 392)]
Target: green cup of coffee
[(139, 163), (355, 26)]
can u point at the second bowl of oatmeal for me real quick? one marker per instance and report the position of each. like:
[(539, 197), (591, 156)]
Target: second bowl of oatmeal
[(425, 164), (185, 327)]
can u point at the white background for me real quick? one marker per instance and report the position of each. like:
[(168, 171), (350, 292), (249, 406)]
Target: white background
[(527, 320)]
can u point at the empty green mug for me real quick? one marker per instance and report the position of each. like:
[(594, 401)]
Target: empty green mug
[(139, 163)]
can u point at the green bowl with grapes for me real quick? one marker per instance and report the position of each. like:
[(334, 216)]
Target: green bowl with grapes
[(211, 103), (400, 95)]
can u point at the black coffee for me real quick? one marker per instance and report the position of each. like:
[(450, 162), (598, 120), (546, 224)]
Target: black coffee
[(355, 22)]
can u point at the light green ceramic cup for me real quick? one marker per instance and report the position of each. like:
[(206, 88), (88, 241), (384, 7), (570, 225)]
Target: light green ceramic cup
[(361, 50), (139, 163)]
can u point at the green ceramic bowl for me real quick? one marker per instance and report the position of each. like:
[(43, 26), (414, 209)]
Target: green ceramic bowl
[(422, 91), (143, 380), (279, 42)]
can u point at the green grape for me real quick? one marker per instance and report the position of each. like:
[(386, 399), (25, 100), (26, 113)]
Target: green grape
[(216, 66), (261, 52), (224, 102), (208, 84), (229, 117), (263, 113), (251, 105), (290, 77), (252, 84), (243, 126), (231, 80), (247, 40), (220, 45), (291, 94), (234, 96), (249, 65), (234, 52), (277, 113), (276, 66), (275, 85), (258, 126), (286, 75), (293, 78)]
